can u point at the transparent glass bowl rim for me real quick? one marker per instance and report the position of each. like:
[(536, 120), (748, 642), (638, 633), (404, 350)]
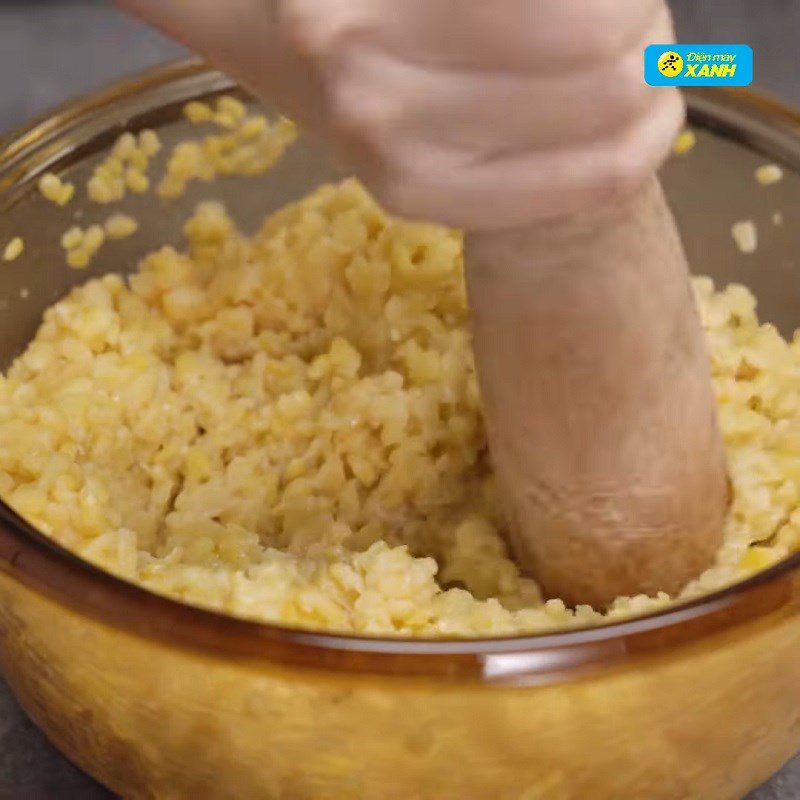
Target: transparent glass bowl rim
[(752, 119)]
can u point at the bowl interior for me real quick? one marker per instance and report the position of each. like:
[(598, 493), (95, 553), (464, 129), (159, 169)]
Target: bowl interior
[(714, 185), (709, 188)]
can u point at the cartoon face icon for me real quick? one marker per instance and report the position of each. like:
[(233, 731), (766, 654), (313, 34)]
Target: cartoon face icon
[(670, 64)]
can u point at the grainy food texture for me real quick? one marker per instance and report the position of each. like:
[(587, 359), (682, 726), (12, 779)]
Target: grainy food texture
[(288, 428)]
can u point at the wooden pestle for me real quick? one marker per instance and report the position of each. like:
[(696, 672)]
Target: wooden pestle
[(598, 400)]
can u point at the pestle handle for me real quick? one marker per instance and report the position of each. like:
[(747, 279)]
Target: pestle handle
[(598, 400)]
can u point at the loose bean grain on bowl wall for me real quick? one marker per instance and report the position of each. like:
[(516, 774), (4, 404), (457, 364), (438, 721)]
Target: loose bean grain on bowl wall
[(82, 245), (684, 142), (769, 174), (125, 168), (198, 112), (745, 235), (120, 226), (228, 112), (55, 190), (13, 249), (249, 146)]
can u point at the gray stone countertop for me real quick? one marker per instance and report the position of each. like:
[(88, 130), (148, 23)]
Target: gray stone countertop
[(51, 50)]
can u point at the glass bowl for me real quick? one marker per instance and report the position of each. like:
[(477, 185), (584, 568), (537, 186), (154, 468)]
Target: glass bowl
[(157, 699)]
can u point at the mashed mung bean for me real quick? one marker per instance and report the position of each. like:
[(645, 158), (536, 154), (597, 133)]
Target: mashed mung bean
[(288, 428)]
